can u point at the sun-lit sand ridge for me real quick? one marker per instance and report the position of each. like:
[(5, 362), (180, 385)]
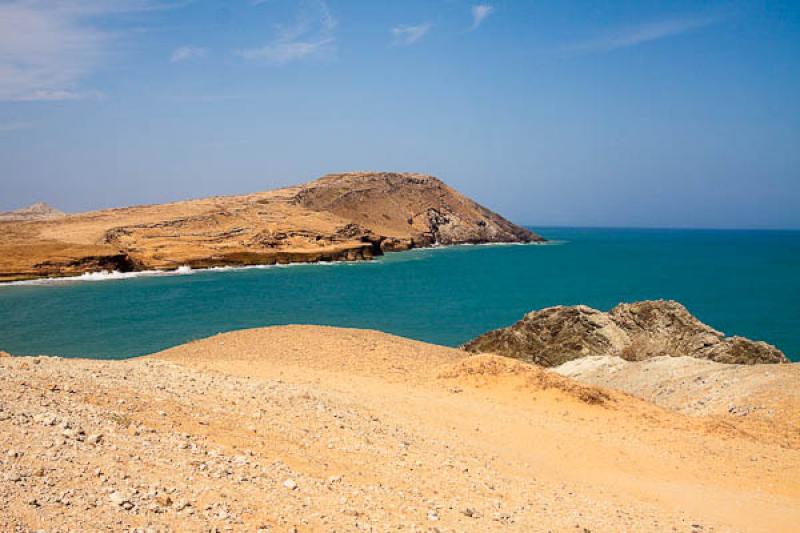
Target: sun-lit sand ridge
[(325, 429)]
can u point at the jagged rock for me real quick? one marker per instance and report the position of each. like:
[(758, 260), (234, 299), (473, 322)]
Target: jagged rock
[(339, 217), (635, 331)]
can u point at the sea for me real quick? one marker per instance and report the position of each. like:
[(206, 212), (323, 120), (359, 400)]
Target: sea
[(739, 282)]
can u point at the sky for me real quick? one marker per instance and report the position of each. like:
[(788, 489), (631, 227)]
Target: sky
[(625, 113)]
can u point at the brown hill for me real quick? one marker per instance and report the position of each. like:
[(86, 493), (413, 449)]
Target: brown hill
[(635, 331), (337, 217)]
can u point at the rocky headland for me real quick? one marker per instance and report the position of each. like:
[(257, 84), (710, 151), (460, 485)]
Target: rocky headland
[(339, 217), (304, 428), (631, 331)]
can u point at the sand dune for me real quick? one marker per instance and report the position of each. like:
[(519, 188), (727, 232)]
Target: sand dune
[(326, 429)]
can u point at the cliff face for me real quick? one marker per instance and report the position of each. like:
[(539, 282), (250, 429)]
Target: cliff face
[(344, 217), (635, 332)]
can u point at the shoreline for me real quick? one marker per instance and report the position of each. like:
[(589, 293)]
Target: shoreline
[(183, 270)]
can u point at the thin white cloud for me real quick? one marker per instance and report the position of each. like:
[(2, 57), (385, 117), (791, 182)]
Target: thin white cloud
[(186, 53), (312, 35), (479, 14), (642, 34), (48, 47), (407, 35)]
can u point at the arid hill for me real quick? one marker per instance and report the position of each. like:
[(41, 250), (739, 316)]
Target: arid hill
[(345, 217), (37, 211), (304, 428), (635, 331)]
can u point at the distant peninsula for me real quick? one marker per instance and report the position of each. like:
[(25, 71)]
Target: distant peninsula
[(338, 217)]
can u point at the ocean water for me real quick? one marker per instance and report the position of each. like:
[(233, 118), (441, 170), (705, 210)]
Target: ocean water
[(741, 282)]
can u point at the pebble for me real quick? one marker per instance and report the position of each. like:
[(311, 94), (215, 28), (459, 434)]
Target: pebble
[(121, 500)]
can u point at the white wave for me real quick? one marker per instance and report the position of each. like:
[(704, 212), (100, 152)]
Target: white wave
[(105, 275), (111, 275)]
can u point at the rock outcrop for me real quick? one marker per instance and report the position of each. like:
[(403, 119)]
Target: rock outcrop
[(339, 217), (635, 331), (37, 211)]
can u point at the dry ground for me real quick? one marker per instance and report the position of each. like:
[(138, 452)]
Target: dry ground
[(325, 429)]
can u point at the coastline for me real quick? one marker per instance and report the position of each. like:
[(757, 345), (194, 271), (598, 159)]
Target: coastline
[(105, 275)]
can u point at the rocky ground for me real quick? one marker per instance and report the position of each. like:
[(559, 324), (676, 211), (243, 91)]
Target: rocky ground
[(322, 429)]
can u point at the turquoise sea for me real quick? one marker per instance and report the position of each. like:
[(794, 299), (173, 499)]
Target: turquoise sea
[(741, 282)]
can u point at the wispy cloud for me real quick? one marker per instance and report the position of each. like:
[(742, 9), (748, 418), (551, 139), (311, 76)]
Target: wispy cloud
[(186, 53), (479, 14), (642, 34), (407, 35), (312, 35), (48, 47)]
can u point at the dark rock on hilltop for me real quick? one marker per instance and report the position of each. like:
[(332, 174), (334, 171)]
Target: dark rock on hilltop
[(635, 331)]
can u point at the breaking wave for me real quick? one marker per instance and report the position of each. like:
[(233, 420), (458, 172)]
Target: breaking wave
[(105, 275), (112, 275)]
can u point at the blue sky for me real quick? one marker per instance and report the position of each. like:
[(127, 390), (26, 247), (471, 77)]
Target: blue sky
[(677, 114)]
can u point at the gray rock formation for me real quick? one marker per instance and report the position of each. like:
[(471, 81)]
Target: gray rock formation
[(635, 331)]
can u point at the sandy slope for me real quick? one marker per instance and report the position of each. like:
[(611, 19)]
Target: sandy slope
[(761, 399), (375, 432)]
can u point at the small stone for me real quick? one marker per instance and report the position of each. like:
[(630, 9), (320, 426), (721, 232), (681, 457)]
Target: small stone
[(290, 484), (119, 499), (95, 438), (164, 500)]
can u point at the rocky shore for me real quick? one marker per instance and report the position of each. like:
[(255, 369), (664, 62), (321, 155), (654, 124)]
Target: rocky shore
[(303, 428), (339, 217)]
